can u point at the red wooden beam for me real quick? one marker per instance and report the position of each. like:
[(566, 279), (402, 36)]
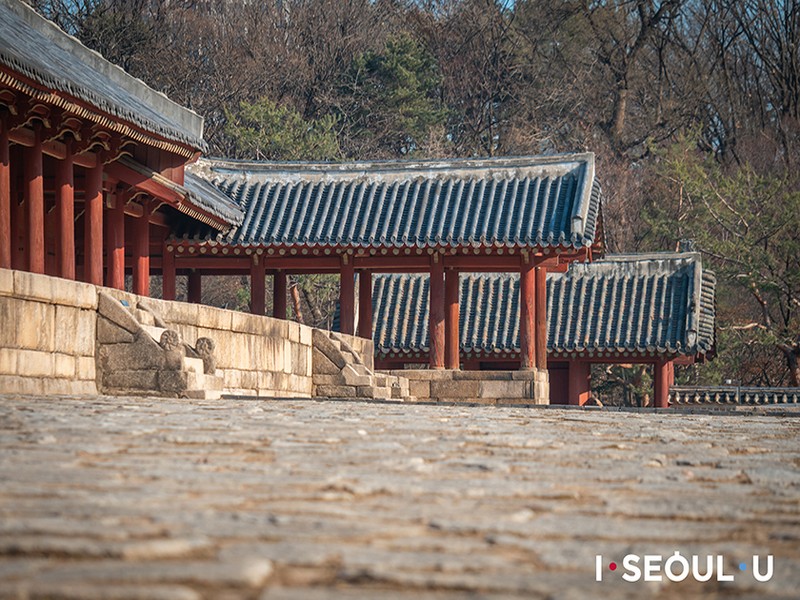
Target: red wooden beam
[(65, 209), (144, 183), (279, 295), (258, 290), (365, 304), (195, 291), (580, 385), (167, 274), (436, 326), (452, 348), (663, 378), (34, 199), (93, 232), (540, 324), (141, 254), (5, 196), (346, 296), (116, 254), (27, 138), (527, 316)]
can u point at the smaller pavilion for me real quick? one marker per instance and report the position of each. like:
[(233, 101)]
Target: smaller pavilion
[(523, 215), (655, 309)]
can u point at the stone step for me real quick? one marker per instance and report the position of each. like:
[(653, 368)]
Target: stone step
[(199, 381), (355, 376), (203, 394), (193, 364)]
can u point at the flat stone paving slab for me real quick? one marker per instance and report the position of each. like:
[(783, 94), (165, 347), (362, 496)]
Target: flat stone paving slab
[(287, 500)]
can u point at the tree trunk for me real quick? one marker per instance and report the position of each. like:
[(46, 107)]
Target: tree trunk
[(792, 354)]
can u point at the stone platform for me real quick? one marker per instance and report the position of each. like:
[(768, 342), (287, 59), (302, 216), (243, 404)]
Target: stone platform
[(285, 499)]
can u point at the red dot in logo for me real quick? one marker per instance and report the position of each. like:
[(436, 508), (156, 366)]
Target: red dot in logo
[(613, 566)]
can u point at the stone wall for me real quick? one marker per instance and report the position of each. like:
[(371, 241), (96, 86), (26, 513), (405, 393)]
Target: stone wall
[(477, 387), (47, 334), (258, 356), (48, 339)]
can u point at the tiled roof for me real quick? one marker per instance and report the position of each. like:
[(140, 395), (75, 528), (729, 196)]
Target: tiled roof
[(208, 198), (38, 50), (526, 202), (660, 303)]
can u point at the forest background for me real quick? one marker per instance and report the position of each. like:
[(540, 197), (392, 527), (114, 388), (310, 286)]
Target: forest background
[(692, 108)]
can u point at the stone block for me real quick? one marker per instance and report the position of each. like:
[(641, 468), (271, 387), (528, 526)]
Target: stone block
[(110, 333), (481, 375), (324, 344), (246, 323), (420, 389), (32, 286), (75, 331), (32, 363), (214, 318), (506, 389), (455, 389), (323, 365), (85, 368), (287, 356), (328, 379), (131, 380), (8, 361), (68, 387), (74, 293), (35, 324), (143, 354), (8, 319), (299, 386), (14, 384), (353, 377), (365, 391), (112, 310), (524, 375), (172, 381), (6, 282), (335, 391), (305, 335), (293, 331), (63, 366)]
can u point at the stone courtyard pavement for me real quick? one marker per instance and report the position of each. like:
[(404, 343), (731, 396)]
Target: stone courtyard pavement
[(288, 500)]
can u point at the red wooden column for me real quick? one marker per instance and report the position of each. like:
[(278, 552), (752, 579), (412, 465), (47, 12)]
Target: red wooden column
[(279, 295), (93, 233), (65, 213), (258, 288), (436, 324), (141, 252), (663, 378), (168, 272), (347, 295), (365, 304), (452, 347), (116, 243), (195, 291), (5, 197), (540, 323), (527, 317), (580, 382), (19, 220), (34, 199)]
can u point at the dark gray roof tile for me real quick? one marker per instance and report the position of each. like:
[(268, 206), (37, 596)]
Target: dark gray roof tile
[(662, 303), (526, 201)]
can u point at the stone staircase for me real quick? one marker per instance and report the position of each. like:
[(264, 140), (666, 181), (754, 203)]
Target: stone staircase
[(339, 372), (138, 353)]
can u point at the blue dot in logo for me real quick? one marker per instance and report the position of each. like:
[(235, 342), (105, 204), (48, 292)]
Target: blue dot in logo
[(743, 566)]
